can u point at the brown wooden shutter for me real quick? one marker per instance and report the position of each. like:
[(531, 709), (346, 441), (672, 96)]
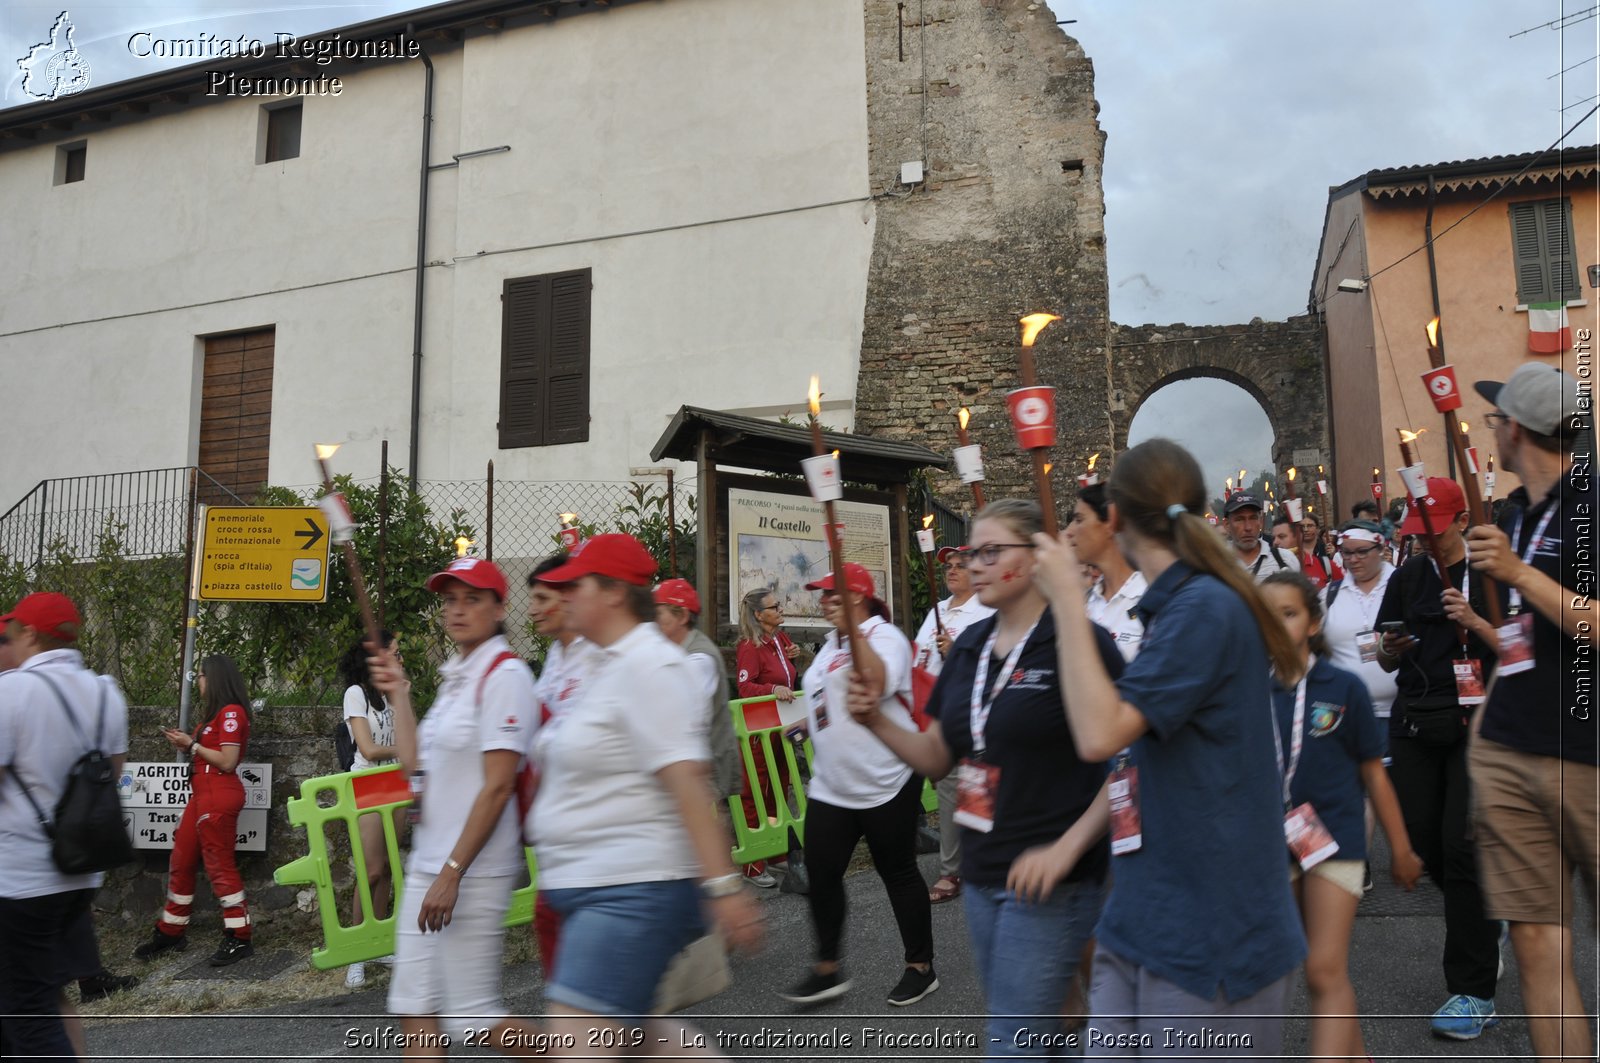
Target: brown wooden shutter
[(236, 411), (523, 342), (544, 360)]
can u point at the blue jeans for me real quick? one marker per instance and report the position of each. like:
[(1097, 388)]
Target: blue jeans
[(1027, 957), (617, 941)]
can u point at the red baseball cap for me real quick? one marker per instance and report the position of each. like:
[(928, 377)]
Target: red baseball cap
[(947, 552), (474, 572), (856, 578), (613, 555), (678, 592), (1444, 501), (50, 614)]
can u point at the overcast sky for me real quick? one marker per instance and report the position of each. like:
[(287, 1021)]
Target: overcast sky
[(1227, 121)]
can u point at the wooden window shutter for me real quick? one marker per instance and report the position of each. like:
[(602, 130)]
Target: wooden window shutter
[(544, 360), (1541, 242)]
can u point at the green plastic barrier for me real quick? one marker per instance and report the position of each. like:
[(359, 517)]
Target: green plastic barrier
[(756, 725), (377, 791)]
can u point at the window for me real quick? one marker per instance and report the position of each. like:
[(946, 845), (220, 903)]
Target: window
[(281, 132), (1541, 239), (70, 159), (236, 411), (544, 360)]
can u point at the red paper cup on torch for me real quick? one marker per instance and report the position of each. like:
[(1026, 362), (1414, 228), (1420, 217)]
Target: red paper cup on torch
[(925, 540), (1033, 416), (1442, 388)]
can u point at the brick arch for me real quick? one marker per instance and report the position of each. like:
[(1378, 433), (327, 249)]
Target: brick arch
[(1278, 363)]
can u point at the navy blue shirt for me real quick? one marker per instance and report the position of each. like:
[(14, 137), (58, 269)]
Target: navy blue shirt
[(1341, 731), (1044, 788), (1205, 902), (1550, 711)]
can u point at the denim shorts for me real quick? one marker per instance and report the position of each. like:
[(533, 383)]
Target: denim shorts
[(617, 941)]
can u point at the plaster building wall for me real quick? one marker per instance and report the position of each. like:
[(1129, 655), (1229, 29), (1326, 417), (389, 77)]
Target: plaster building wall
[(1354, 406), (999, 105), (723, 211), (1485, 334)]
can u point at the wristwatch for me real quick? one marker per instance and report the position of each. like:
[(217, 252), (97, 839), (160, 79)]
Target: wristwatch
[(194, 750), (455, 865), (721, 886)]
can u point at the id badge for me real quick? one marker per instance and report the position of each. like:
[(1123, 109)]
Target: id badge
[(1367, 644), (1126, 833), (1516, 644), (1308, 839), (976, 785), (819, 708), (1469, 681)]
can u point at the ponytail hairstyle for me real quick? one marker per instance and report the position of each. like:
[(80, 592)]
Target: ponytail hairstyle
[(1313, 607), (1159, 491), (749, 622)]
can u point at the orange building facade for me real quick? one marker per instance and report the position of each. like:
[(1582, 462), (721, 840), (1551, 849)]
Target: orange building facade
[(1508, 232)]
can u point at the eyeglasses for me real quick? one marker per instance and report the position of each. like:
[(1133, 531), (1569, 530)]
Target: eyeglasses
[(1356, 555), (990, 553), (770, 609), (1495, 419)]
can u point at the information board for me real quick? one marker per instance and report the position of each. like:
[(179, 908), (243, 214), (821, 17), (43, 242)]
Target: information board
[(154, 794)]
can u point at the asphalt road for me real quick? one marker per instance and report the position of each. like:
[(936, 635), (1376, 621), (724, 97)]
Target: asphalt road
[(1394, 963)]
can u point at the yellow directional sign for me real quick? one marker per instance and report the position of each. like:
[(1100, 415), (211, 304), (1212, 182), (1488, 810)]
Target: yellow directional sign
[(264, 554)]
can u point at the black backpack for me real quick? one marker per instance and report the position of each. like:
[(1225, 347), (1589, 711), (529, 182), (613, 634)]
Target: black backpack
[(87, 833), (344, 746)]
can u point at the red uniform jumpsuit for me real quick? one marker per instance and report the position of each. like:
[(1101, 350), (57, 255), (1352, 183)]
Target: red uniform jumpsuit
[(762, 666), (208, 831)]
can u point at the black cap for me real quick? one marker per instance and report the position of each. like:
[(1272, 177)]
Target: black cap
[(1241, 501)]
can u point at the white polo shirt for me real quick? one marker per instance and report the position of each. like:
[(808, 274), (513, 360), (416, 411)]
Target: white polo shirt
[(1117, 615), (1351, 614), (602, 817), (561, 681), (1264, 565), (451, 741), (956, 619), (852, 768)]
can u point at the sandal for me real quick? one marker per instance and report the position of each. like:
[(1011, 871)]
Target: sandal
[(947, 888)]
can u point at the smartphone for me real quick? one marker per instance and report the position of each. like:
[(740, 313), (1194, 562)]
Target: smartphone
[(1393, 627)]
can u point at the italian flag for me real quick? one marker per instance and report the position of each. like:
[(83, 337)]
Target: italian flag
[(1547, 328)]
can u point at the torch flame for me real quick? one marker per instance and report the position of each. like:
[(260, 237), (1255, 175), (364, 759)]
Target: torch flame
[(1408, 436), (1463, 428), (463, 544), (327, 450), (1034, 324), (963, 417), (1092, 459), (1291, 472), (927, 521), (835, 455), (1433, 332), (1229, 482), (1241, 477), (814, 395), (1374, 472), (569, 518), (1048, 466)]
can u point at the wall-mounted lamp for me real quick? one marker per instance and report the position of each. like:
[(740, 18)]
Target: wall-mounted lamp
[(1352, 284), (1594, 276)]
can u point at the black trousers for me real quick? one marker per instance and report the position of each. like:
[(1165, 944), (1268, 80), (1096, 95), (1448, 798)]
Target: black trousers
[(1435, 800), (891, 832), (45, 943)]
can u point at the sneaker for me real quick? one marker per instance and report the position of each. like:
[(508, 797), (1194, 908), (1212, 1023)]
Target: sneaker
[(1366, 878), (387, 961), (102, 985), (818, 987), (758, 875), (160, 943), (355, 976), (232, 950), (1463, 1018), (913, 986)]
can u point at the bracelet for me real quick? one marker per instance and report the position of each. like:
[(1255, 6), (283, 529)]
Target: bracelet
[(455, 865), (722, 886), (194, 750)]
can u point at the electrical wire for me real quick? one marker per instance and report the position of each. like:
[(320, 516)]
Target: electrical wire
[(1561, 23), (1504, 185), (1574, 66)]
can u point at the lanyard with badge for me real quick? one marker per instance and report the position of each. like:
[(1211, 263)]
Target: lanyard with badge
[(977, 781), (1468, 670), (1516, 634), (1308, 839)]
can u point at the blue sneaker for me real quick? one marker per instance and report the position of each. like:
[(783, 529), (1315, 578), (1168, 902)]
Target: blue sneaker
[(1463, 1018)]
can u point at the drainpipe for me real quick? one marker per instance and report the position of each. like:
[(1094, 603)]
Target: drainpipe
[(422, 262), (1433, 285)]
